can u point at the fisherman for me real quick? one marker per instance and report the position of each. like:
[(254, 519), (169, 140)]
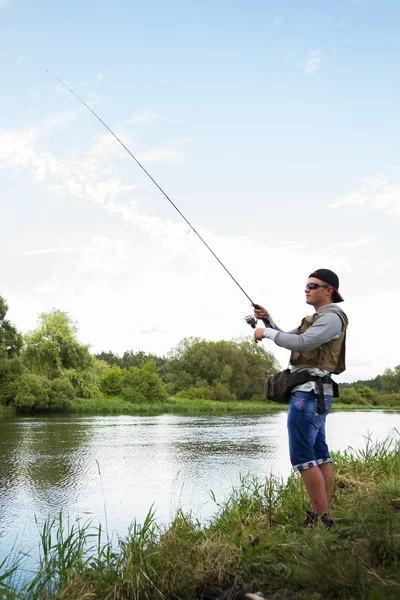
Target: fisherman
[(317, 347)]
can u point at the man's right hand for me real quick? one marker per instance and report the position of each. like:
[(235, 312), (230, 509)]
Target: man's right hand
[(261, 312)]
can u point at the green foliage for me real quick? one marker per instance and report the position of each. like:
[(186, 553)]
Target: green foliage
[(87, 383), (240, 366), (145, 380), (352, 396), (10, 339), (32, 392), (36, 392), (392, 400), (366, 393), (10, 370), (61, 393), (390, 380), (219, 392), (111, 381), (130, 394), (374, 384), (11, 366), (53, 346), (130, 359)]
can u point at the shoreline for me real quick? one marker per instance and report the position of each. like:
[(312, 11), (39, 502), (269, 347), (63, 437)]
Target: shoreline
[(117, 406), (255, 539)]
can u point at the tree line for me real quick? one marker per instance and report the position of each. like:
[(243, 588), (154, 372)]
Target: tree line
[(47, 368)]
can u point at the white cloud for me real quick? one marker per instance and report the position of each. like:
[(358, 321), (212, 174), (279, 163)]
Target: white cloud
[(49, 251), (159, 285), (143, 118), (349, 245), (313, 63), (277, 21), (174, 152), (380, 193), (100, 76)]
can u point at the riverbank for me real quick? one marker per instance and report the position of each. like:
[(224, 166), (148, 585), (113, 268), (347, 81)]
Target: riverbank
[(256, 539), (118, 406)]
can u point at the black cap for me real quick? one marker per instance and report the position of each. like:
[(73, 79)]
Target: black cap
[(330, 277)]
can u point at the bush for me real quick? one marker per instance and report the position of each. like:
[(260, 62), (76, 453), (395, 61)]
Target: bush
[(10, 371), (387, 400), (86, 383), (218, 392), (32, 392), (146, 380), (111, 381), (133, 396), (61, 393), (352, 396)]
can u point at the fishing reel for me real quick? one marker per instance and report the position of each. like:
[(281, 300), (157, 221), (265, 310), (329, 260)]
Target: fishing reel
[(252, 321)]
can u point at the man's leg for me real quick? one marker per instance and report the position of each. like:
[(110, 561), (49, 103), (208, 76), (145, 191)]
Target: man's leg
[(316, 487), (327, 473)]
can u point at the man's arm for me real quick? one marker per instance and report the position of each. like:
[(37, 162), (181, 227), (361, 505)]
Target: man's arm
[(326, 328), (263, 314)]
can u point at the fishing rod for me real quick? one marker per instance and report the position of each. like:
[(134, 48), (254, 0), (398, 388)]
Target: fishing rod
[(250, 320)]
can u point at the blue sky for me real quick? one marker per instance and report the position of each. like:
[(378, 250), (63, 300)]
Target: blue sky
[(274, 126)]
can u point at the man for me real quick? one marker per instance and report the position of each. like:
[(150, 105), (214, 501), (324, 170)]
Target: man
[(318, 347)]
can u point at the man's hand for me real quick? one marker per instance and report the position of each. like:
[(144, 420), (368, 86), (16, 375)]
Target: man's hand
[(261, 312), (258, 335)]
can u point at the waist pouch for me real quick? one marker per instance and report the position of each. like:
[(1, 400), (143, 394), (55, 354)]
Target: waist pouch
[(278, 388)]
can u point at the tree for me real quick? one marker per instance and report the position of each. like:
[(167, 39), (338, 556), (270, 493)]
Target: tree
[(352, 396), (111, 381), (241, 366), (11, 366), (110, 358), (10, 338), (145, 380), (390, 380), (53, 347), (137, 359)]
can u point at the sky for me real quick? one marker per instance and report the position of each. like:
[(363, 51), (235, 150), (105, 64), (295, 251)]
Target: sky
[(273, 127)]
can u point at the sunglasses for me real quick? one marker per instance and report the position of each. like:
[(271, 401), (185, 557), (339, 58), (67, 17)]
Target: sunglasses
[(314, 286)]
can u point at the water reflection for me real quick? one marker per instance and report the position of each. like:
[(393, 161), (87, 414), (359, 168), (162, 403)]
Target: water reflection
[(111, 469)]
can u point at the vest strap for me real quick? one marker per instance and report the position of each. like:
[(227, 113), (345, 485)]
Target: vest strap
[(320, 390)]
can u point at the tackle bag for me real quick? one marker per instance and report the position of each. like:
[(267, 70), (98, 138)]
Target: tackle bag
[(278, 387)]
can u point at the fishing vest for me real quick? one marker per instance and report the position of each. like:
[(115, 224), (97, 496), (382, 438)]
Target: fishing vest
[(331, 355)]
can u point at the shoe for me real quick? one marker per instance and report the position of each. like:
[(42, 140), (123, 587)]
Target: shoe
[(311, 519), (327, 521)]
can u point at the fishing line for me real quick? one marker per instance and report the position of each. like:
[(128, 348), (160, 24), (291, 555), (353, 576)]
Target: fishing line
[(155, 183)]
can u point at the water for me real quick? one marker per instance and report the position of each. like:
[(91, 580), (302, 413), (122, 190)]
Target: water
[(112, 469)]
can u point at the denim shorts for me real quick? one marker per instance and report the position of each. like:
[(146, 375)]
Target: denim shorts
[(306, 428)]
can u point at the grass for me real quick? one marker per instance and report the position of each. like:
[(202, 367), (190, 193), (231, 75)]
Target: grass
[(255, 539), (116, 405)]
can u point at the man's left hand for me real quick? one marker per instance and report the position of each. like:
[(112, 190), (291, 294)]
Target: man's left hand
[(258, 335)]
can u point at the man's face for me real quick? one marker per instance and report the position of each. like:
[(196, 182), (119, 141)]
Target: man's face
[(318, 292)]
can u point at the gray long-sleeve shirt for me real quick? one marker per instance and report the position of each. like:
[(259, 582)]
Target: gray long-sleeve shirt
[(328, 327)]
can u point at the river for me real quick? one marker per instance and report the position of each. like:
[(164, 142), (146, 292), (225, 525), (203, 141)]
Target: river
[(112, 469)]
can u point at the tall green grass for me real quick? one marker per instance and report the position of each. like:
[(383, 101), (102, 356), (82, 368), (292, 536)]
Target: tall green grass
[(256, 538), (116, 405)]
